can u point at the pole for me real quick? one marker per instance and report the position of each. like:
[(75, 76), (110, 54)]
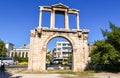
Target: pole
[(2, 56)]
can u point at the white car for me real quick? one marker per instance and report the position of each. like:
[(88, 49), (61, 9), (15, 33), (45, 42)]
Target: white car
[(7, 61)]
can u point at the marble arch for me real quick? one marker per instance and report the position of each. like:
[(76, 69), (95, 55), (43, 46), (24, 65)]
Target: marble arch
[(40, 36)]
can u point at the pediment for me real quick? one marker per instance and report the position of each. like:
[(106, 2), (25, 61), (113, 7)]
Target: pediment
[(60, 5)]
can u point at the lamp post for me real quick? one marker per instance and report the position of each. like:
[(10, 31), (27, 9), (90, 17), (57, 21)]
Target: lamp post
[(2, 56)]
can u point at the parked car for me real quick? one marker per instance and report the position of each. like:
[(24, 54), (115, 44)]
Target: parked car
[(47, 62), (59, 61), (65, 62)]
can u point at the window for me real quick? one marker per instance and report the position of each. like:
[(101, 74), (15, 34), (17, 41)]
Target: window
[(64, 49), (64, 44), (59, 44), (59, 48), (69, 44)]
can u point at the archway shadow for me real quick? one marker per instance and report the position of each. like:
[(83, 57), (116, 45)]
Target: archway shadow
[(112, 68), (5, 74)]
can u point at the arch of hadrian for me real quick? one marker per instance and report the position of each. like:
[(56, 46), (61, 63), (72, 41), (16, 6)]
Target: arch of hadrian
[(40, 36)]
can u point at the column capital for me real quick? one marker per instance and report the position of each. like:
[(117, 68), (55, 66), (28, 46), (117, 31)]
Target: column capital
[(41, 8)]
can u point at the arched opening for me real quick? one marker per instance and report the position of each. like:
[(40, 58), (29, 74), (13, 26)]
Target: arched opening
[(59, 53)]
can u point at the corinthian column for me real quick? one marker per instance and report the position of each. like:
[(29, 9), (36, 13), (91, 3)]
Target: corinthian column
[(78, 27), (66, 20), (52, 21), (40, 18)]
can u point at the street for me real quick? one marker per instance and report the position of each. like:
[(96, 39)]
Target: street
[(16, 66)]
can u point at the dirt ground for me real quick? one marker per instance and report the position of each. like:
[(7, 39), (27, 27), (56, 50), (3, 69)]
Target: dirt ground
[(97, 75), (68, 76), (107, 75), (16, 73)]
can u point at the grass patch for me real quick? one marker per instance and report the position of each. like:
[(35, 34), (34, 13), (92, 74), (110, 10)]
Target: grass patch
[(52, 71), (58, 71), (15, 70), (88, 72)]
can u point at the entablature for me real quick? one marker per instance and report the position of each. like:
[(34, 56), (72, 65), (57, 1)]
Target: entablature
[(58, 7)]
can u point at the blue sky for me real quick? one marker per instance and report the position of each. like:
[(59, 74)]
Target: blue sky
[(18, 17)]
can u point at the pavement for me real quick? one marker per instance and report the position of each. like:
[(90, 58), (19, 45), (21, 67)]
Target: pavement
[(16, 73), (36, 76), (96, 75), (107, 75)]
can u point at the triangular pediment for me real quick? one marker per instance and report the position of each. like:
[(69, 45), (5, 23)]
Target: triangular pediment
[(60, 5)]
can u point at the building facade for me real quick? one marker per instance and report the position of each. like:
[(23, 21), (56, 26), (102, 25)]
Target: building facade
[(62, 50), (20, 52), (9, 47)]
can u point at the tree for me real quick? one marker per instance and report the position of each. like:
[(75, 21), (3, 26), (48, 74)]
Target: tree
[(70, 57), (107, 51), (20, 59), (48, 56), (3, 50), (103, 53), (113, 38)]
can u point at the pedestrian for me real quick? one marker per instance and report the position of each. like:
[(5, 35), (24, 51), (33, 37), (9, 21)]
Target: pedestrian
[(3, 69)]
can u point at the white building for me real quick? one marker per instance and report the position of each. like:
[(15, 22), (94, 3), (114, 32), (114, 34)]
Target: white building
[(9, 47), (20, 52), (62, 49)]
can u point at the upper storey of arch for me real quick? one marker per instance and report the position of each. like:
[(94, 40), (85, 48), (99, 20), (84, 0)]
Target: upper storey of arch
[(59, 8)]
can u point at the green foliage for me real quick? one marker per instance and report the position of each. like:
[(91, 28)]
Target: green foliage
[(103, 53), (3, 50), (21, 59), (107, 51), (48, 56), (113, 37), (70, 57)]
